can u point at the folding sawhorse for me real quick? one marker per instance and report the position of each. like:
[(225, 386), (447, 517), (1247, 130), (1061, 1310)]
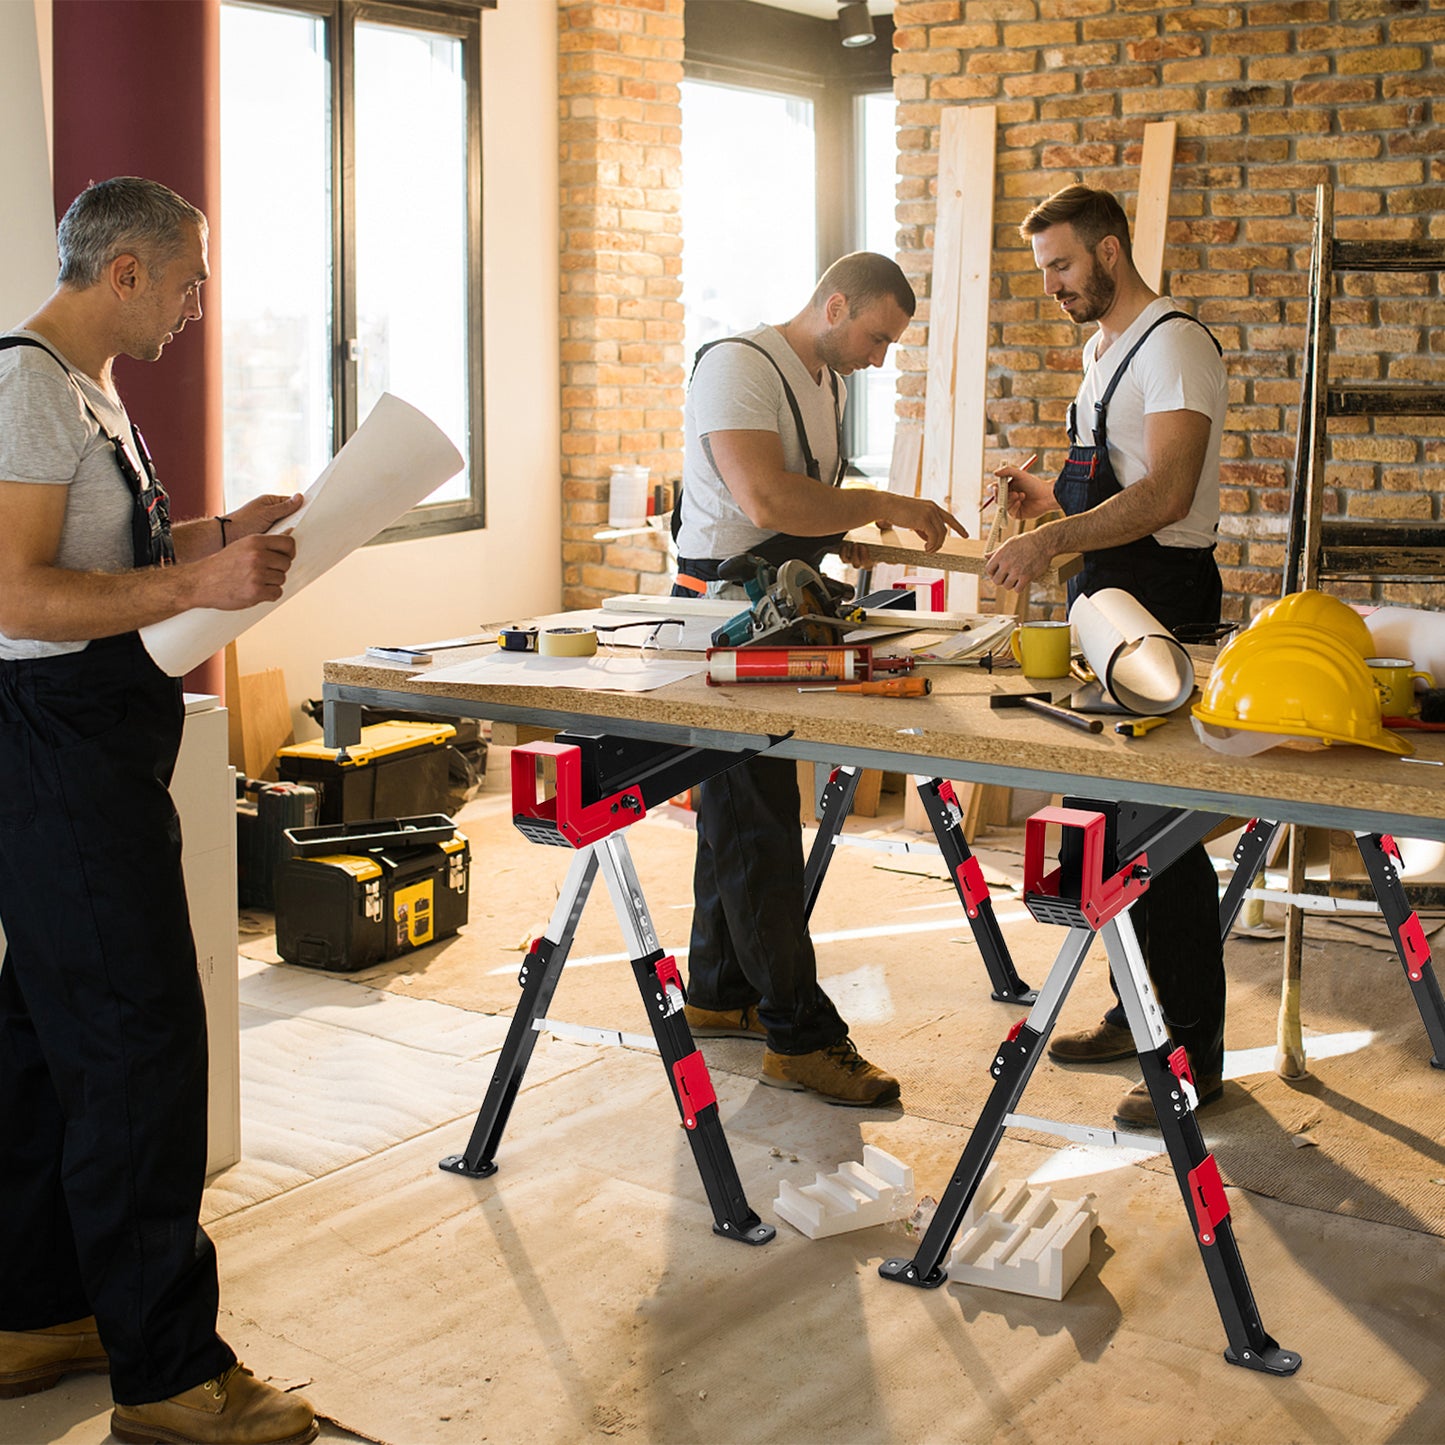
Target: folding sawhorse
[(604, 784), (941, 804), (1107, 855), (1381, 854)]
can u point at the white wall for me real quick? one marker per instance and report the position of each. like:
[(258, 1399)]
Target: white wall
[(449, 586), (27, 237)]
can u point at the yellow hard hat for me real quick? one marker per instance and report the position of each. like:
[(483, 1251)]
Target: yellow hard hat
[(1319, 609), (1291, 680)]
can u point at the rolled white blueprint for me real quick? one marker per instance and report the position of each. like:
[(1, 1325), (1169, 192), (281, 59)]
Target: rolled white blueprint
[(1141, 665), (396, 458)]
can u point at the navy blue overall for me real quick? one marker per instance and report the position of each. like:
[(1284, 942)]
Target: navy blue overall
[(1179, 585), (1177, 920), (750, 945), (102, 1022)]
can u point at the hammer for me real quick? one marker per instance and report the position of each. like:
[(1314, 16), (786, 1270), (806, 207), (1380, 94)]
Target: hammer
[(1042, 703)]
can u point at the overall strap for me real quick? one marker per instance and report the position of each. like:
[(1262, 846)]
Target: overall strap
[(809, 459), (1101, 406)]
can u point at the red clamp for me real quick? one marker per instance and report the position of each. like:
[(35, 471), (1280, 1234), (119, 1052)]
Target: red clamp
[(694, 1087), (1016, 1030), (1390, 846), (1100, 898), (1414, 950), (669, 976), (1178, 1063), (1206, 1195), (971, 886), (945, 791), (578, 823)]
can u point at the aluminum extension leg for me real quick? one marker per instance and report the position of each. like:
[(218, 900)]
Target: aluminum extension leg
[(1173, 1097), (660, 984), (946, 816)]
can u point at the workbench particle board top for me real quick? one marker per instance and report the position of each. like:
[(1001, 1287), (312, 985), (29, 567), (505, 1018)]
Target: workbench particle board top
[(956, 729)]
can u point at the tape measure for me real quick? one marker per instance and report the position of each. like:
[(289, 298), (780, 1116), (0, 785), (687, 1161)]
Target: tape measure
[(517, 639), (567, 642)]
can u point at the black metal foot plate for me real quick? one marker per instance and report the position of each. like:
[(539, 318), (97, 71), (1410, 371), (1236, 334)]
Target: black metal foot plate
[(457, 1164), (753, 1234), (1271, 1360), (904, 1271), (1025, 995)]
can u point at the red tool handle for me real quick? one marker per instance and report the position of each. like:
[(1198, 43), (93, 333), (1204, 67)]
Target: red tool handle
[(891, 687)]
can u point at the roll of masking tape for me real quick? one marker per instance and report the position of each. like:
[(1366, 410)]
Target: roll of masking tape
[(567, 642)]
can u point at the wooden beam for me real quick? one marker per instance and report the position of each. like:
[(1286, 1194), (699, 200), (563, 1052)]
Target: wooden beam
[(1151, 215), (958, 554), (905, 469)]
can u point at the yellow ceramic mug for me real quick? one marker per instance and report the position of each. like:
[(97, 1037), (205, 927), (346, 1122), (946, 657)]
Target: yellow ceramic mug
[(1042, 648), (1396, 683)]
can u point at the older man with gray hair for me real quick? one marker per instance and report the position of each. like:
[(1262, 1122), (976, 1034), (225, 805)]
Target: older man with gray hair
[(103, 1263)]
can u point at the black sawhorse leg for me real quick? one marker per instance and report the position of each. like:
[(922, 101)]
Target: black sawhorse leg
[(941, 804), (1380, 854), (1101, 909), (660, 983)]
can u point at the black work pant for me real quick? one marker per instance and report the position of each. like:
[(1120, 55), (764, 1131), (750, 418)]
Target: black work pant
[(102, 1023), (750, 943)]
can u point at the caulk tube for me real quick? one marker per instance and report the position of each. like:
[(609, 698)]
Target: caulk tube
[(788, 664)]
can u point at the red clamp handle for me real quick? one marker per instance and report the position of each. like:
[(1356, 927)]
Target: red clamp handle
[(1390, 846), (694, 1087), (1206, 1195), (971, 886), (1414, 950), (1178, 1063)]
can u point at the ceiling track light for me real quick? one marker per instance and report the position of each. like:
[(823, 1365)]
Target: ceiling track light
[(855, 24)]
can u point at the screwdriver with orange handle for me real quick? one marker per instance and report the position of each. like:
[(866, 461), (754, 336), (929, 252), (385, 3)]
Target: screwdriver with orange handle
[(885, 687)]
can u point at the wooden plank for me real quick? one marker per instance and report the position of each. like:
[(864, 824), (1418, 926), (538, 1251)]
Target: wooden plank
[(265, 721), (958, 554), (966, 143), (970, 374), (1151, 215), (1380, 564), (905, 468), (1404, 533)]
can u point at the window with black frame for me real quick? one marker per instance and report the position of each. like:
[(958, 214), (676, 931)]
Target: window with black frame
[(789, 160), (350, 206)]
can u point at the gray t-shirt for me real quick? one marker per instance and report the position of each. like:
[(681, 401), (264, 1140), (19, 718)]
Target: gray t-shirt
[(735, 389), (49, 437)]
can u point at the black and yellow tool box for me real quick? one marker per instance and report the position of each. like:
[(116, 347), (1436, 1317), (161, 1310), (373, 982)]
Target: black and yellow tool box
[(264, 811), (356, 894), (396, 770)]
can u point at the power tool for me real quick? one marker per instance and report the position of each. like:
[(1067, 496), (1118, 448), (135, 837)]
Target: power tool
[(788, 604)]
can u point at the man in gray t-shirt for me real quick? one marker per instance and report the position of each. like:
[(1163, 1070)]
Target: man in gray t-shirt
[(103, 1264), (763, 459)]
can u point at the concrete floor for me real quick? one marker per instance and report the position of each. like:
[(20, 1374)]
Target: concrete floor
[(581, 1294)]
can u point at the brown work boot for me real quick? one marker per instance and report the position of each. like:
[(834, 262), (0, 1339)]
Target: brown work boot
[(233, 1409), (1136, 1108), (732, 1023), (1101, 1043), (33, 1360), (839, 1073)]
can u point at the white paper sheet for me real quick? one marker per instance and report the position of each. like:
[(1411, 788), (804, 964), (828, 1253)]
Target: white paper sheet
[(396, 458), (592, 674)]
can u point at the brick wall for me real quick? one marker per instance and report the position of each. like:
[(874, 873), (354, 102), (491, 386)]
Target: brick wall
[(619, 66), (1270, 98)]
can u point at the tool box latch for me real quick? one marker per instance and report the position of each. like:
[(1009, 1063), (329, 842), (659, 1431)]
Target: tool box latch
[(694, 1087)]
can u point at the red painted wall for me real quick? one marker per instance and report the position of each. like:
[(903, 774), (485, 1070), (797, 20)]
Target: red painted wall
[(137, 92)]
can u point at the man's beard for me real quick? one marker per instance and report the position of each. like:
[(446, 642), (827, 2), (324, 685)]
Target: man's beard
[(1097, 294), (830, 352)]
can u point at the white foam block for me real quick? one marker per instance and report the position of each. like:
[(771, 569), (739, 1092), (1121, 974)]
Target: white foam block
[(854, 1196), (1019, 1238)]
